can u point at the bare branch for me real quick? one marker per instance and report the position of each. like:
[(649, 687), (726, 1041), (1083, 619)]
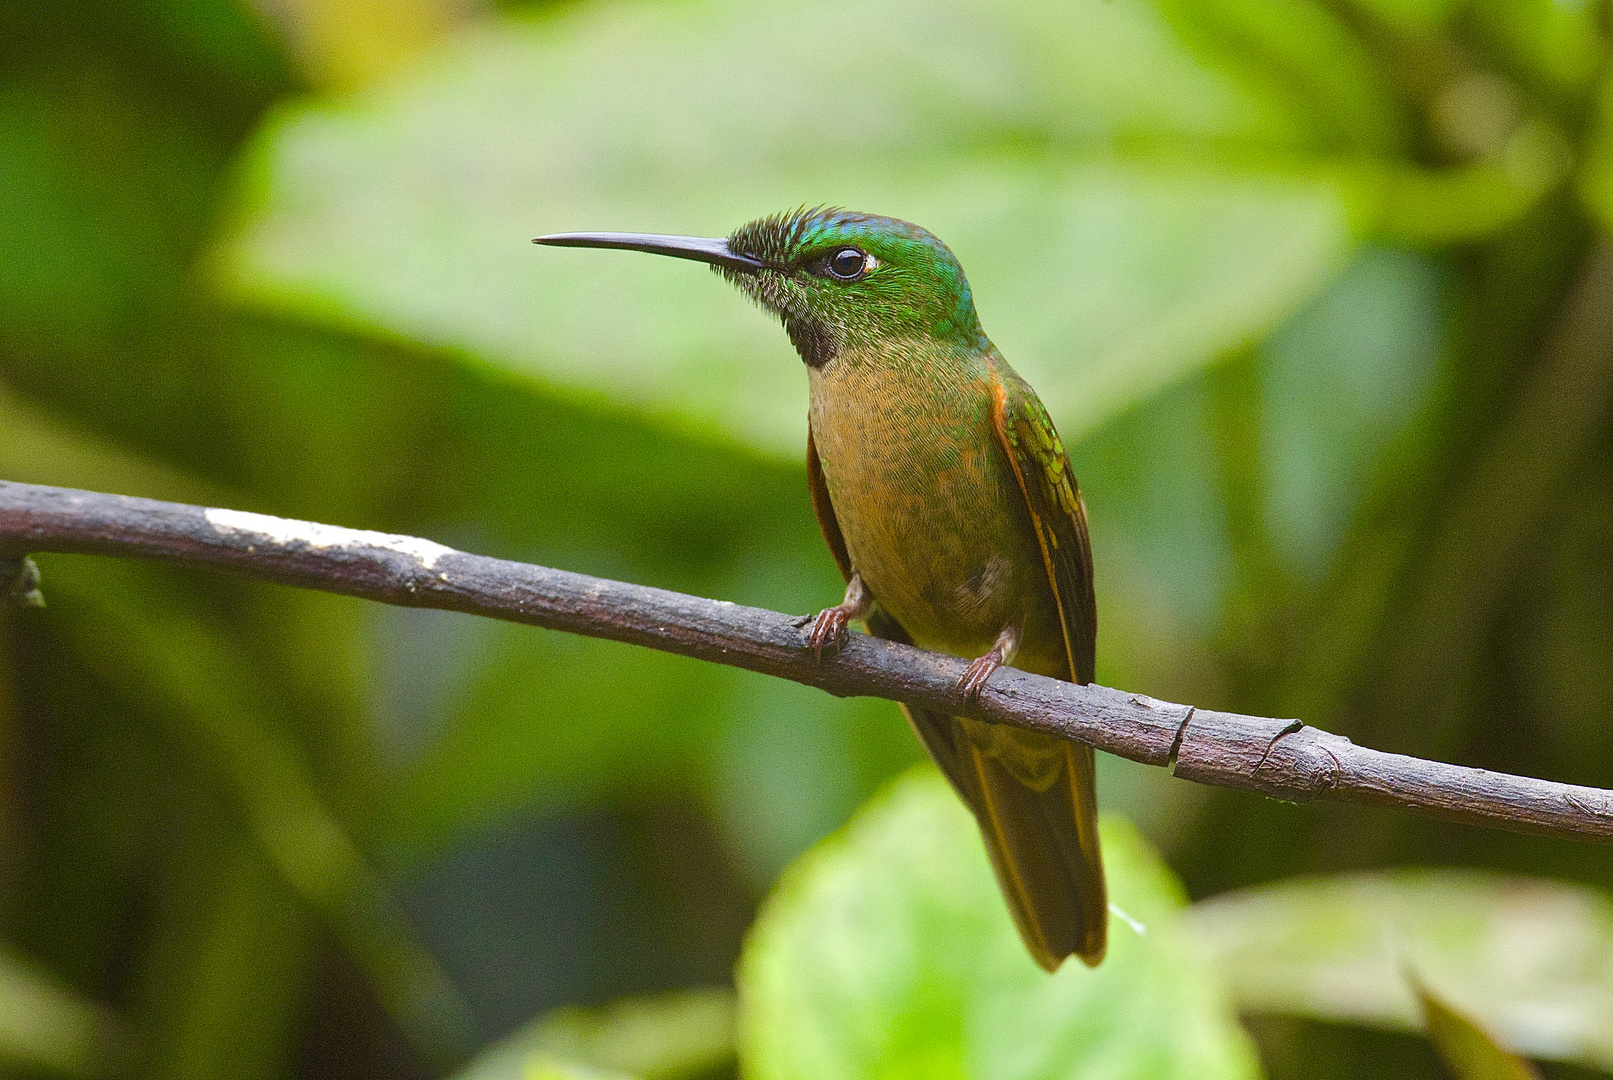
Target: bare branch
[(1279, 758)]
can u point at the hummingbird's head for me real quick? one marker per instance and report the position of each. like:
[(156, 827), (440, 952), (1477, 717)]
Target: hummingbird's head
[(836, 279)]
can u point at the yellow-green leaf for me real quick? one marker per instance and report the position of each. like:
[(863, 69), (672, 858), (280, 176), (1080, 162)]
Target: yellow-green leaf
[(1471, 1052), (887, 952)]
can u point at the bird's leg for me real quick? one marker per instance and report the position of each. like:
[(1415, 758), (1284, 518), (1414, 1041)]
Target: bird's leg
[(980, 668), (831, 622)]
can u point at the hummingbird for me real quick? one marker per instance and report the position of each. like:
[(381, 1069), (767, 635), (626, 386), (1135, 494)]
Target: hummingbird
[(949, 505)]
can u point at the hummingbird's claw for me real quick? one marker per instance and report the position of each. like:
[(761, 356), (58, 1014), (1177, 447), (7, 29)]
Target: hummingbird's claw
[(976, 674), (828, 629), (981, 667)]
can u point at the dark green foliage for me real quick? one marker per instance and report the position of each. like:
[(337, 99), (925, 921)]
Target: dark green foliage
[(1316, 291)]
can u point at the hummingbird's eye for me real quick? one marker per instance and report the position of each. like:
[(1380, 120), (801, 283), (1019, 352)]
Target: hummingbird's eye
[(848, 264)]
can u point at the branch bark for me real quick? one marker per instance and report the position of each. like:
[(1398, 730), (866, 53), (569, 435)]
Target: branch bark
[(1275, 757)]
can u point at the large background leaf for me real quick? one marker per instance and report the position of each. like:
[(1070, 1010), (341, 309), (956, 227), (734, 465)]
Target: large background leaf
[(1104, 273), (670, 1037), (1531, 960), (887, 952)]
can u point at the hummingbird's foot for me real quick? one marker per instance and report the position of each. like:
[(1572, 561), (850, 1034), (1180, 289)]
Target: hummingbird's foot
[(830, 625), (981, 667)]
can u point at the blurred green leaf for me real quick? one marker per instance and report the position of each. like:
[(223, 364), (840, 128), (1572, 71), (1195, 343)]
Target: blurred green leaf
[(887, 952), (224, 912), (780, 765), (682, 1034), (228, 36), (1309, 51), (1557, 46), (220, 715), (792, 764), (85, 259), (110, 156), (352, 43), (1159, 537), (1420, 15), (43, 1025), (504, 745), (1468, 1049), (539, 1068), (1476, 199), (1531, 960), (1595, 177), (1108, 251), (38, 448), (1337, 384)]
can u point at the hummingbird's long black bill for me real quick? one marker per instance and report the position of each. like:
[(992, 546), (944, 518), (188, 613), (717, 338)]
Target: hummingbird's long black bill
[(700, 249)]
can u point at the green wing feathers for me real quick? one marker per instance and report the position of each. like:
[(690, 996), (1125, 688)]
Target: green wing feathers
[(1043, 842), (1057, 514)]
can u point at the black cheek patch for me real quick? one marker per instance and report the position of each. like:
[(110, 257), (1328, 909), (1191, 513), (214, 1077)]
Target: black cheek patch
[(812, 340)]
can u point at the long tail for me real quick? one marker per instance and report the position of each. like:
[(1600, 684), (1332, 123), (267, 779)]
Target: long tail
[(1042, 840)]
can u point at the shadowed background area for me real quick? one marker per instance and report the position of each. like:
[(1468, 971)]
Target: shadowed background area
[(1318, 292)]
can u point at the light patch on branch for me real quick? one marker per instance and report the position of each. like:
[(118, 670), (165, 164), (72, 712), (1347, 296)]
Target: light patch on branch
[(285, 531)]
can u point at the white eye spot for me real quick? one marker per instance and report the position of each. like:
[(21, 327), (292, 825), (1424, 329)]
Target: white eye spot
[(870, 264)]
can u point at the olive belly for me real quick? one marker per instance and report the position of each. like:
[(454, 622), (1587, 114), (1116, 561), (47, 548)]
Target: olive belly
[(936, 525)]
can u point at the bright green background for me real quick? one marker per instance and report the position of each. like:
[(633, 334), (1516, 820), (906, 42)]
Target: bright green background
[(1314, 289)]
